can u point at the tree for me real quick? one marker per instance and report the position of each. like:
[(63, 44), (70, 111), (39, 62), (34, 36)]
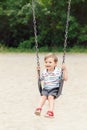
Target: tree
[(16, 22)]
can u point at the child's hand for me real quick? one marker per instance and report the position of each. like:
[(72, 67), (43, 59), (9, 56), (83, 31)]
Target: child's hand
[(65, 75), (38, 71), (63, 66), (38, 67)]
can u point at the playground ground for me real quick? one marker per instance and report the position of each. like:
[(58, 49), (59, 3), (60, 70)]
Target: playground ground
[(19, 94)]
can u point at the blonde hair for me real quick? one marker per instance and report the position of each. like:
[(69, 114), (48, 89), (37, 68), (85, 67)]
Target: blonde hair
[(51, 55)]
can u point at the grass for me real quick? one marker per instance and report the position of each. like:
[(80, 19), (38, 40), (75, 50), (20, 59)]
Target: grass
[(75, 49)]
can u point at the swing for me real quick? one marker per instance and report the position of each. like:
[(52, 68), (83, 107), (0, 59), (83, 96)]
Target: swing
[(64, 50)]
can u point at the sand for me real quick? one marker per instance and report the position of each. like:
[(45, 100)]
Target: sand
[(19, 95)]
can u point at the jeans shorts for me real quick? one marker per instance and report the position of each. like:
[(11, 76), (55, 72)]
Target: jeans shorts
[(48, 92)]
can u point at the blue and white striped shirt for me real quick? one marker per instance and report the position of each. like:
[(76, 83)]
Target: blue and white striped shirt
[(51, 79)]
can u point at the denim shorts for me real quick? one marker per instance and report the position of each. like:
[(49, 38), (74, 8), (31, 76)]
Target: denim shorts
[(48, 92)]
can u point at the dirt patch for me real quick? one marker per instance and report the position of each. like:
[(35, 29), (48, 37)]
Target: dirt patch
[(19, 94)]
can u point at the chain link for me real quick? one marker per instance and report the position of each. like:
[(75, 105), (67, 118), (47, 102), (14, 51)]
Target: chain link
[(35, 32), (66, 29)]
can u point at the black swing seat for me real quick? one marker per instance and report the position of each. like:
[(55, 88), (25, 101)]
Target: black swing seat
[(59, 90), (60, 87), (39, 86)]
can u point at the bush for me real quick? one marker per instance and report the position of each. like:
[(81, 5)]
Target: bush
[(28, 44)]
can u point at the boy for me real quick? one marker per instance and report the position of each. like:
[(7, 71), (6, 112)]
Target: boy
[(51, 77)]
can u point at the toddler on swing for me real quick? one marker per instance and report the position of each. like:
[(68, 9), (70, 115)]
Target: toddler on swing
[(51, 77)]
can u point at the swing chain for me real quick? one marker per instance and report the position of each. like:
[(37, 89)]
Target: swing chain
[(66, 30), (35, 32), (65, 43)]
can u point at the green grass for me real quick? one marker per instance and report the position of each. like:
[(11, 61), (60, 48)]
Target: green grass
[(75, 49)]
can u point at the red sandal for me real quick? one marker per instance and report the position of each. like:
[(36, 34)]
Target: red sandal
[(49, 114), (38, 111)]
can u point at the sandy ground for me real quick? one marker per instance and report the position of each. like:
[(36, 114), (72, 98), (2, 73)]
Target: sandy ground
[(19, 94)]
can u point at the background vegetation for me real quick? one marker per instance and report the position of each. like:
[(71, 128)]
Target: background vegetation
[(16, 25)]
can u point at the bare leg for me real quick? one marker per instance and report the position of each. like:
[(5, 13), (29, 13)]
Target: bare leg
[(50, 113), (42, 101), (51, 102)]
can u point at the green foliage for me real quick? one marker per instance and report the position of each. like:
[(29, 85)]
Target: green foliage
[(27, 44), (82, 38), (77, 49), (16, 24)]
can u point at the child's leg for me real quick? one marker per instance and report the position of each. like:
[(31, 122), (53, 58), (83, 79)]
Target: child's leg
[(50, 112), (51, 102), (42, 101), (39, 108)]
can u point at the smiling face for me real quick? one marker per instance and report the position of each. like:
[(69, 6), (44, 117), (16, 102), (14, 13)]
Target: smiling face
[(50, 64)]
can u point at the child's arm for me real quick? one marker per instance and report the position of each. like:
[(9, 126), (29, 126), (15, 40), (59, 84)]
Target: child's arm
[(65, 74), (40, 76)]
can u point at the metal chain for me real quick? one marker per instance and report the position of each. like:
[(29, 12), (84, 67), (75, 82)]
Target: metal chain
[(36, 45), (66, 30), (65, 45), (35, 32), (36, 42)]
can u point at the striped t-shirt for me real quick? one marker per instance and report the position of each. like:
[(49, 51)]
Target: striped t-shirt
[(51, 79)]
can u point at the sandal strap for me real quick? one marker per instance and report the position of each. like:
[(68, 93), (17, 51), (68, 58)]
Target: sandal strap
[(39, 109), (50, 113)]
